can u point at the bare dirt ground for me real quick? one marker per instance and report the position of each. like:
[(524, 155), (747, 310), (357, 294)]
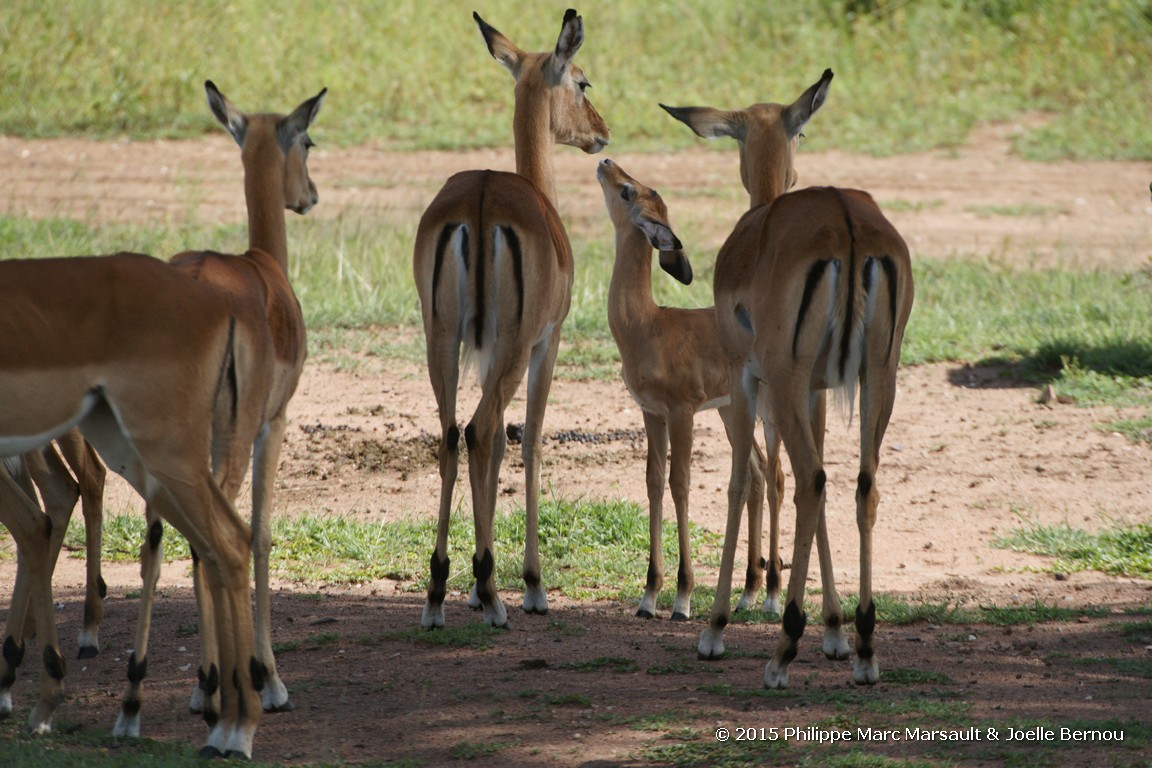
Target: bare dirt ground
[(968, 457)]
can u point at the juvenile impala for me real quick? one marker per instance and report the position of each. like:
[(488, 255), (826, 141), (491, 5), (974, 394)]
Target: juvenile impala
[(813, 290), (493, 268), (166, 373), (674, 367)]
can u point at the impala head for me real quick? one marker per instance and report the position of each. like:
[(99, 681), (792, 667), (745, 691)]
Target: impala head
[(552, 76), (633, 206), (252, 133), (767, 133)]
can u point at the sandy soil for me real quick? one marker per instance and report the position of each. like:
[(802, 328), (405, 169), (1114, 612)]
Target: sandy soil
[(969, 456)]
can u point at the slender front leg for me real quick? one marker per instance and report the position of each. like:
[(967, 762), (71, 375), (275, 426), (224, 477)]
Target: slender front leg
[(656, 431), (31, 529), (680, 436), (745, 390), (151, 556)]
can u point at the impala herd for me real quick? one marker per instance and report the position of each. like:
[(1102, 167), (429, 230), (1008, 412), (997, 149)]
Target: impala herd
[(177, 374)]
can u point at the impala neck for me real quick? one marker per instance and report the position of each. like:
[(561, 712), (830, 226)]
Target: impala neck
[(630, 292), (767, 172), (532, 131), (264, 193)]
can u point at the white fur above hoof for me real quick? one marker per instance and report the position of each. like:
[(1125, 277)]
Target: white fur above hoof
[(836, 645), (711, 645), (865, 671), (496, 615), (775, 676), (772, 605), (127, 726), (535, 601), (474, 599), (274, 697), (432, 617)]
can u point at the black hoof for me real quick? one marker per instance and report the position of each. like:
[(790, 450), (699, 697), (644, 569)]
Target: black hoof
[(706, 657), (645, 614), (210, 753), (537, 611), (287, 706), (234, 755), (679, 617), (88, 652), (5, 715)]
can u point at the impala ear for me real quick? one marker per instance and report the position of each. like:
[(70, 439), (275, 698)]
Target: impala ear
[(676, 264), (800, 111), (663, 239), (302, 117), (708, 122), (501, 48), (226, 114), (568, 43)]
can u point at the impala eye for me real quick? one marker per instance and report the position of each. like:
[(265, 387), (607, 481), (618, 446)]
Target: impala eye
[(584, 85)]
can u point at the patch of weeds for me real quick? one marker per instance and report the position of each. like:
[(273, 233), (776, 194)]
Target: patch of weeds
[(905, 676), (566, 628), (568, 700), (1138, 632), (617, 664), (856, 758), (472, 750), (681, 668), (727, 689), (1122, 550), (1037, 613), (286, 647), (714, 754), (475, 635), (660, 721), (1138, 429), (321, 639)]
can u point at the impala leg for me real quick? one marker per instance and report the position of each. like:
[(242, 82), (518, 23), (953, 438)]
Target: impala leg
[(656, 430), (540, 368), (835, 640), (443, 369), (205, 699), (680, 435), (795, 426), (484, 448), (199, 509), (745, 390), (92, 479), (774, 487), (32, 530), (877, 397), (59, 493), (265, 460), (754, 575), (151, 557)]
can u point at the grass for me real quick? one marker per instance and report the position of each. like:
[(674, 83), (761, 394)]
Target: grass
[(1122, 550), (938, 67), (592, 550)]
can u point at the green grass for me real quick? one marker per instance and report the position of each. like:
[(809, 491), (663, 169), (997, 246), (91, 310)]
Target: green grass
[(1122, 550), (593, 550), (938, 67)]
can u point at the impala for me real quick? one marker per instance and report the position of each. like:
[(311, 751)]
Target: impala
[(813, 290), (674, 367), (172, 372), (493, 268)]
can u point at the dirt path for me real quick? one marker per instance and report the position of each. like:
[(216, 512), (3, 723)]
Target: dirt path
[(966, 460)]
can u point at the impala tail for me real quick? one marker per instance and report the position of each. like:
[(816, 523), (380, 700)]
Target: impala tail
[(849, 301), (486, 290)]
